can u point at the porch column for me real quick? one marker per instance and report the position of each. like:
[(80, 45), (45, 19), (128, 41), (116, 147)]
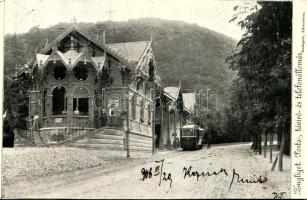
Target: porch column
[(168, 128), (175, 131), (69, 110), (162, 129), (49, 108)]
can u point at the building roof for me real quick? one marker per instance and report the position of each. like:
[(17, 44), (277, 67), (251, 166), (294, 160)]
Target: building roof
[(128, 53), (189, 101), (70, 58), (191, 126), (172, 92), (132, 51)]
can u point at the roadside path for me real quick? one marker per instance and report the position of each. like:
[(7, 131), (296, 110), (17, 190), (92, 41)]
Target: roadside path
[(124, 179)]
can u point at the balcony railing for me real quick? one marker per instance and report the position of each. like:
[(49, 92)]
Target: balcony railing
[(113, 121)]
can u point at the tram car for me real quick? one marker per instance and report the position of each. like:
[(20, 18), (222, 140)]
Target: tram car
[(191, 137)]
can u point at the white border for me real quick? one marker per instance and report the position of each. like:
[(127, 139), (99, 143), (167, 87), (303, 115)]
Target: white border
[(299, 8)]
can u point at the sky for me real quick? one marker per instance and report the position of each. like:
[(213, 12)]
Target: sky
[(22, 15)]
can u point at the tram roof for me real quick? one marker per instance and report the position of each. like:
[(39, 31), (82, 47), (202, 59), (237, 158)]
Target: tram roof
[(190, 126)]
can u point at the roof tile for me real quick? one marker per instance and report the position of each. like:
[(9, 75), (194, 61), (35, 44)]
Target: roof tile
[(132, 51)]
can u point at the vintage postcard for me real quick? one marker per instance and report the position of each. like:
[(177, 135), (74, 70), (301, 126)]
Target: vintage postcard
[(143, 99)]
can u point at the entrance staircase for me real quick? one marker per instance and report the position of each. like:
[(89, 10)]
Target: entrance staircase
[(27, 139), (38, 139), (22, 142), (104, 138)]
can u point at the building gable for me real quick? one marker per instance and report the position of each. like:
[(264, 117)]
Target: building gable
[(92, 46)]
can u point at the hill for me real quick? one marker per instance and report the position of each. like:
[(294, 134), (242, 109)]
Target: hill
[(187, 52)]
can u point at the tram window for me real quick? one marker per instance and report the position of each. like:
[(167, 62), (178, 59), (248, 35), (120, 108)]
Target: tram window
[(188, 132)]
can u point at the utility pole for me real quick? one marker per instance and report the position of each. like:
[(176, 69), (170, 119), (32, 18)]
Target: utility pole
[(110, 15), (153, 91), (216, 101), (128, 127), (208, 99), (74, 21), (162, 127)]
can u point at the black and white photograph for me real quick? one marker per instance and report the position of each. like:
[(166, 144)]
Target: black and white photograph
[(144, 99)]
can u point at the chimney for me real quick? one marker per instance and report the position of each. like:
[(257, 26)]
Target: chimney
[(101, 33), (103, 36)]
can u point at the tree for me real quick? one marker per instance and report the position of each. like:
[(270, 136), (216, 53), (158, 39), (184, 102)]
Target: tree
[(262, 59)]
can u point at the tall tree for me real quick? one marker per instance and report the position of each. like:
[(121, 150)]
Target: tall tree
[(263, 61)]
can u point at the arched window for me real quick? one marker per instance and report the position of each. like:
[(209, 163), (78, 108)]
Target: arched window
[(59, 72), (59, 103), (81, 72), (81, 101)]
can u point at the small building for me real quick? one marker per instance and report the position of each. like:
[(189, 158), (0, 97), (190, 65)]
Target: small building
[(170, 116), (81, 85)]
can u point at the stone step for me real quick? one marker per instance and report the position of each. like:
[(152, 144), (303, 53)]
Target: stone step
[(98, 146), (112, 132), (100, 141), (105, 136), (136, 140), (136, 148), (110, 148), (140, 145)]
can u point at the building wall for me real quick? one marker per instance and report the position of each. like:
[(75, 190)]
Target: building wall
[(116, 88), (175, 129), (168, 127), (127, 90), (48, 83), (135, 123)]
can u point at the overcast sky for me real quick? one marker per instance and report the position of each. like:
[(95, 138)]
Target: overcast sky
[(21, 15)]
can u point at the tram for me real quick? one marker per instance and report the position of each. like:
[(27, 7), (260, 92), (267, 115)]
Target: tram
[(191, 137)]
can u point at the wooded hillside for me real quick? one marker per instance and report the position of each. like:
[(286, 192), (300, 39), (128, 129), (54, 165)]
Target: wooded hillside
[(186, 52)]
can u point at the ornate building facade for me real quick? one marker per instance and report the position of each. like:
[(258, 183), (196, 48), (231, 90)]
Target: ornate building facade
[(81, 85), (87, 93)]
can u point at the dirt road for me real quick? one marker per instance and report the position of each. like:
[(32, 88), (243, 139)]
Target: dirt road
[(126, 180)]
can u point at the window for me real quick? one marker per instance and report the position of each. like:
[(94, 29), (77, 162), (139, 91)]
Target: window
[(59, 72), (133, 107), (81, 72), (59, 103), (81, 101), (44, 102), (149, 113), (151, 71), (123, 73), (157, 102), (188, 133), (142, 110)]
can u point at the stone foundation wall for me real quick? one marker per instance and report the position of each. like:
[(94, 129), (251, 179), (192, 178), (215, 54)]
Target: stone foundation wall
[(139, 142), (57, 135)]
